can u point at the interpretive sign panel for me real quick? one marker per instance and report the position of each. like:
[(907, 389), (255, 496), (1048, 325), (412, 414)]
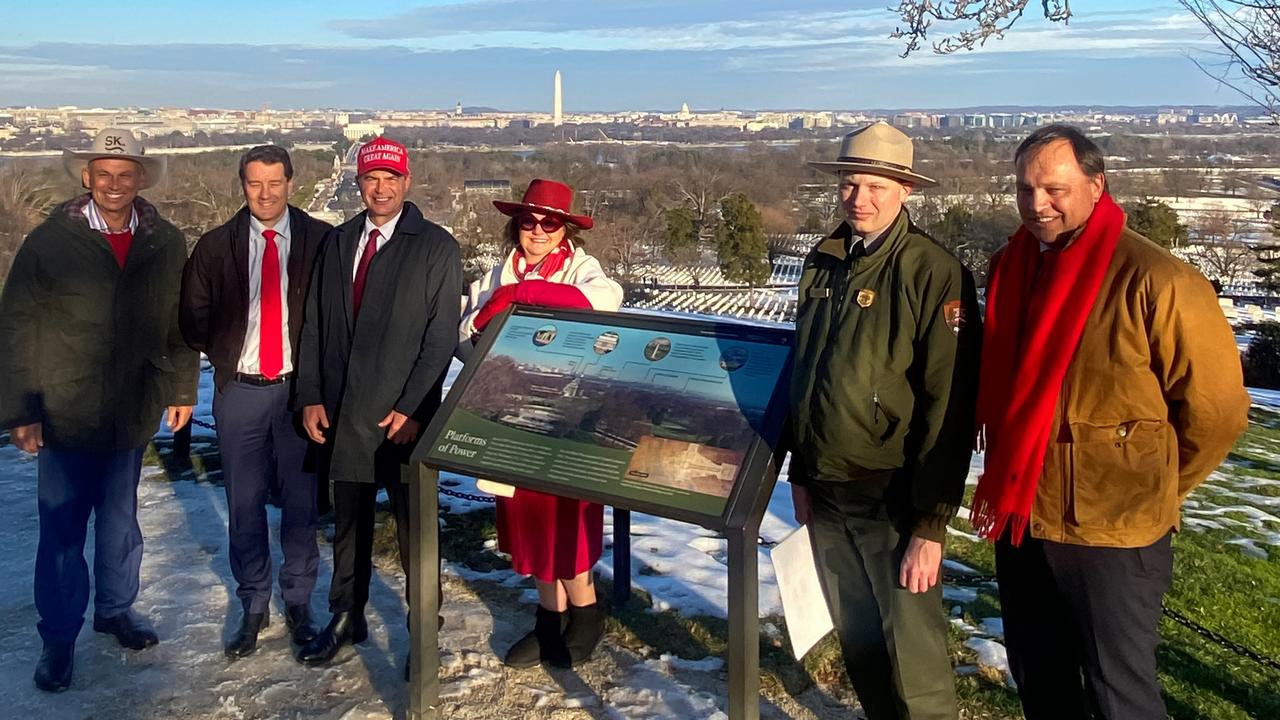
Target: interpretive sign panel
[(661, 415)]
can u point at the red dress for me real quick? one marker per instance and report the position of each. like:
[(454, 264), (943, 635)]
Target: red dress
[(548, 536)]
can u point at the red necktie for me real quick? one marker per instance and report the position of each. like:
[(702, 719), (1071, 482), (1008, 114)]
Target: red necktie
[(362, 270), (270, 332)]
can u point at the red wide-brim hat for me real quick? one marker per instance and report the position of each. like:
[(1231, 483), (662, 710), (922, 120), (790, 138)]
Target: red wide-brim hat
[(547, 197)]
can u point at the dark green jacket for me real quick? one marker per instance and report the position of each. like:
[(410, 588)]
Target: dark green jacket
[(92, 351), (886, 371)]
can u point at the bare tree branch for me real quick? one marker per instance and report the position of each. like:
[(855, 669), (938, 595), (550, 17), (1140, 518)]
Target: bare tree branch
[(1249, 33), (1247, 30), (984, 19)]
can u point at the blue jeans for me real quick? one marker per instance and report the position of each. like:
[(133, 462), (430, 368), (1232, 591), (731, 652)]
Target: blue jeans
[(72, 484)]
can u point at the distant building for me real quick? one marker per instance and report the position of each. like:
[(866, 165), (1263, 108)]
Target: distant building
[(487, 187), (356, 131)]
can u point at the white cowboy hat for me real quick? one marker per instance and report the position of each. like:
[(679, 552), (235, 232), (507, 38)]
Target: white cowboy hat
[(119, 144), (878, 149)]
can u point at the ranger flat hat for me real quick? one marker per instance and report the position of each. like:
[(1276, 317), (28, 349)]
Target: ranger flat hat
[(119, 144), (879, 149)]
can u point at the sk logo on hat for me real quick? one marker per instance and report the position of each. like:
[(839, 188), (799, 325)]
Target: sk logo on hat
[(866, 296)]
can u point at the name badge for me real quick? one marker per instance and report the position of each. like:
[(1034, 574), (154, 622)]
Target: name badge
[(821, 293)]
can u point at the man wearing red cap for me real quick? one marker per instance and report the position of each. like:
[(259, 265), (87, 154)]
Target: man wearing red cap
[(381, 322)]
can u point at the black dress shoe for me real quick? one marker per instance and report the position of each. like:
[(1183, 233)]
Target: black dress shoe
[(345, 627), (53, 671), (130, 630), (245, 642), (298, 620)]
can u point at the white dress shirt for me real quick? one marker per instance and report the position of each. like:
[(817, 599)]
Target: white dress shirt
[(253, 333), (99, 223), (384, 236)]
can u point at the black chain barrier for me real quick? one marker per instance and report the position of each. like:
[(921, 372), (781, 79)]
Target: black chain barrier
[(467, 496), (973, 580), (1210, 635)]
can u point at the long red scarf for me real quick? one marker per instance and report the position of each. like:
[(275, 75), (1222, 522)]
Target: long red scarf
[(547, 267), (1033, 326)]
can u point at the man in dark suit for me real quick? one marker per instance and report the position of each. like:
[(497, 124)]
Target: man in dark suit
[(382, 324), (243, 291)]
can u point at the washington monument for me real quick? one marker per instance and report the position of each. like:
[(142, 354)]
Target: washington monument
[(557, 113)]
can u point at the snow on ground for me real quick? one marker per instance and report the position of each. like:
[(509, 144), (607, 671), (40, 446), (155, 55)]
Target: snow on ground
[(1265, 398), (187, 592)]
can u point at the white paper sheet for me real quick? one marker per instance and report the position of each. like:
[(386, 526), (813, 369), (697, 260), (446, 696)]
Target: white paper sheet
[(495, 488), (804, 604)]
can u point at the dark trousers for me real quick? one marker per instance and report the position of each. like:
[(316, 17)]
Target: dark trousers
[(258, 435), (354, 504), (72, 484), (1080, 625), (894, 641)]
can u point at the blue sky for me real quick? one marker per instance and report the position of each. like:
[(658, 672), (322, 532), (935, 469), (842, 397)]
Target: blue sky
[(639, 54)]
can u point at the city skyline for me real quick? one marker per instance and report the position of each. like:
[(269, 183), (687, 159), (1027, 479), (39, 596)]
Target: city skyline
[(654, 54)]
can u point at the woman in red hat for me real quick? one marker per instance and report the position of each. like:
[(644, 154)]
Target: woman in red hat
[(545, 267)]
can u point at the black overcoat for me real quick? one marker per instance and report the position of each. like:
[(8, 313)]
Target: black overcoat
[(395, 355), (91, 350), (215, 288)]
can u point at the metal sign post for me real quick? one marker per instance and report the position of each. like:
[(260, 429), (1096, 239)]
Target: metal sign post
[(424, 598), (744, 624)]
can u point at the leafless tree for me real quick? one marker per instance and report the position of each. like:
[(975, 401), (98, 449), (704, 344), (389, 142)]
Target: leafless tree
[(1219, 250), (987, 19), (25, 199), (624, 245), (1248, 32)]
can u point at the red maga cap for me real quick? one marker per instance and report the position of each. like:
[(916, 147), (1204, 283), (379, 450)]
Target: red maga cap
[(382, 153)]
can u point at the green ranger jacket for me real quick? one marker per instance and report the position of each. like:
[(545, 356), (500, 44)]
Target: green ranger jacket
[(886, 372)]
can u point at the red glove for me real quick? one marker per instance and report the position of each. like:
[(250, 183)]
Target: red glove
[(550, 294), (498, 301)]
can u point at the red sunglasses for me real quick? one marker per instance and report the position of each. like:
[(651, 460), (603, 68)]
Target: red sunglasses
[(549, 224)]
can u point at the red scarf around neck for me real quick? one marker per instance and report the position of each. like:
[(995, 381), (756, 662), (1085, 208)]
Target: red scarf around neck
[(1033, 326), (546, 268)]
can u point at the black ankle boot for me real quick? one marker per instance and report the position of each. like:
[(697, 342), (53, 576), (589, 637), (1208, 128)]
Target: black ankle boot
[(586, 626), (53, 670), (543, 644), (245, 642)]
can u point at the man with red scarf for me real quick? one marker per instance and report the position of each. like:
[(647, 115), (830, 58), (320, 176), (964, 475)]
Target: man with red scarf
[(1110, 388)]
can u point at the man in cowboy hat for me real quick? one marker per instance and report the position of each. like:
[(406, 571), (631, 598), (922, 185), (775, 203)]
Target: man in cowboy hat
[(381, 327), (1110, 388), (242, 296), (90, 353), (881, 426)]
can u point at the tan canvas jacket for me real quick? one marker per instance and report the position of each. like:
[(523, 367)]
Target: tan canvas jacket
[(1152, 402)]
